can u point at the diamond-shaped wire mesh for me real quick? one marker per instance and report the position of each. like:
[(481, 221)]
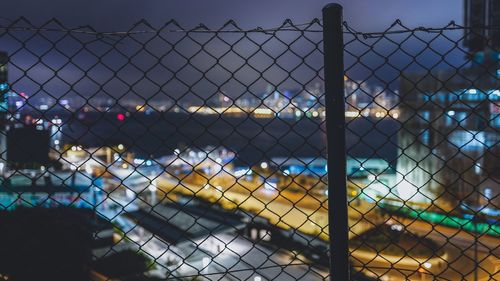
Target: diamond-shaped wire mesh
[(422, 116), (198, 154), (201, 154)]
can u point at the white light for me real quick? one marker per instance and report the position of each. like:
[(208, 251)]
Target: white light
[(148, 163), (218, 160), (427, 265), (477, 168), (73, 148), (152, 188), (352, 114), (88, 169), (239, 173), (451, 113), (286, 172), (264, 165), (56, 142), (488, 193), (257, 278), (397, 227), (177, 151), (120, 147), (205, 261), (472, 91), (270, 185)]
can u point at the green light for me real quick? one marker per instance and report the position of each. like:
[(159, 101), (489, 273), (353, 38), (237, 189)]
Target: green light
[(447, 220)]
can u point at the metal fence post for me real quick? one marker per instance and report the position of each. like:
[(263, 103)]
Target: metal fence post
[(333, 45)]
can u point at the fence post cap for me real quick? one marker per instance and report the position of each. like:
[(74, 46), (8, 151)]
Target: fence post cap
[(333, 6)]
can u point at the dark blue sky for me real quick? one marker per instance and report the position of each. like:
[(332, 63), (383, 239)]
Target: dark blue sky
[(119, 15), (366, 15)]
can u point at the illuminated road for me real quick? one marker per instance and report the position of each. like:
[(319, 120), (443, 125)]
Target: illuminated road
[(236, 258), (308, 214)]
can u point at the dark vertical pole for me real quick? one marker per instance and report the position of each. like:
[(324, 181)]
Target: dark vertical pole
[(333, 45)]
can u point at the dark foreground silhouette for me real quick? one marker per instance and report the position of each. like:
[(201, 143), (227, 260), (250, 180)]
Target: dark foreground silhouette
[(45, 244)]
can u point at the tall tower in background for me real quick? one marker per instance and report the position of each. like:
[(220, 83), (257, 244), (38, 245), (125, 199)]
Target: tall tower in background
[(483, 44)]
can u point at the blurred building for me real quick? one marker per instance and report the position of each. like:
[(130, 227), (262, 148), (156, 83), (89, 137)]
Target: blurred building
[(448, 143), (37, 188)]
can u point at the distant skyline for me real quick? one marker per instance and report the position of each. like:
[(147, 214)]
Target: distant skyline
[(113, 15)]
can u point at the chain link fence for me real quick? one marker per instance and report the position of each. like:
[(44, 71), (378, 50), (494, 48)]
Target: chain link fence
[(191, 154), (422, 125), (167, 153)]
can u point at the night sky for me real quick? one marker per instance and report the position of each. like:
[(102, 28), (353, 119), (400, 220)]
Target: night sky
[(120, 14)]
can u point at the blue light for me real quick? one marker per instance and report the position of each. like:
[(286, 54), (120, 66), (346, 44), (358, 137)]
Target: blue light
[(4, 86)]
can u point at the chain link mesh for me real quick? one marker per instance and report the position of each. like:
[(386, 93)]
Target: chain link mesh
[(200, 154), (423, 129)]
